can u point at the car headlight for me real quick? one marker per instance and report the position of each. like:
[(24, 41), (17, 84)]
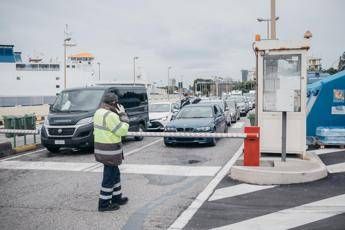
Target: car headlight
[(170, 129), (85, 121), (203, 129)]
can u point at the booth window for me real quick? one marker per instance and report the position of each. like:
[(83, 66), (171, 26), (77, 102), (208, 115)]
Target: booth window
[(282, 83)]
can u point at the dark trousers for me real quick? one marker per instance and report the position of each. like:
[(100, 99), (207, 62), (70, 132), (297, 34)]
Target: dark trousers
[(111, 186)]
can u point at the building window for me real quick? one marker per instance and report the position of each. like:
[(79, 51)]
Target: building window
[(57, 78), (19, 78), (57, 86), (73, 66), (89, 63), (67, 66)]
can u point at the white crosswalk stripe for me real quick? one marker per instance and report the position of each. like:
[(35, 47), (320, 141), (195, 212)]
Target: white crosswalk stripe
[(325, 151), (336, 168), (169, 170), (293, 217), (237, 190)]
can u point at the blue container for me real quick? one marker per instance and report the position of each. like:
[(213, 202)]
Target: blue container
[(325, 104)]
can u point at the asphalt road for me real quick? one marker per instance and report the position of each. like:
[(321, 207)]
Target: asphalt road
[(41, 190)]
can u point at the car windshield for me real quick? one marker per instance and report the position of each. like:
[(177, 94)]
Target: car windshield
[(195, 112), (78, 100), (159, 108)]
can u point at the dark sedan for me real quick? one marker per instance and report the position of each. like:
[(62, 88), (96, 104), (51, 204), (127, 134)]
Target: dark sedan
[(197, 118)]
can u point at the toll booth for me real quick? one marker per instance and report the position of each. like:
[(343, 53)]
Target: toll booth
[(281, 95)]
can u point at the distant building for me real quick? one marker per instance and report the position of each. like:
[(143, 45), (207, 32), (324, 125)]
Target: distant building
[(244, 75), (314, 64)]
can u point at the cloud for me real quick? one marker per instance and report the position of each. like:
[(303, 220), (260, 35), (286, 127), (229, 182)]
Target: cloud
[(194, 37)]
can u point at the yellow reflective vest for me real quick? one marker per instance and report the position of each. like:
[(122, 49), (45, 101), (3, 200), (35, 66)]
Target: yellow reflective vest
[(108, 130)]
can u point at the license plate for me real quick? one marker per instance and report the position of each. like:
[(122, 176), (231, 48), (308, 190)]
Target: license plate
[(59, 142)]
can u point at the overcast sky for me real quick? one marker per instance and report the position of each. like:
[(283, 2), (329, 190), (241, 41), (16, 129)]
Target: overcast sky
[(198, 38)]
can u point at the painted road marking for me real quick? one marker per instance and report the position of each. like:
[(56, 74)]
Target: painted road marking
[(169, 170), (20, 155), (99, 165), (238, 125), (336, 168), (294, 217), (143, 147), (237, 190), (325, 151), (185, 217)]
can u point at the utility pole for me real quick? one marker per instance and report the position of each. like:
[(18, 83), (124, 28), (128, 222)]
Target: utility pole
[(273, 19), (168, 82), (99, 71), (66, 44), (134, 58)]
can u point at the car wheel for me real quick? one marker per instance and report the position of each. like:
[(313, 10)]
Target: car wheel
[(167, 144), (141, 129), (53, 149)]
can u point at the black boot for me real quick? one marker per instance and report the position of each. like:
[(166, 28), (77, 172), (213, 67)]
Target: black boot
[(109, 207), (120, 201)]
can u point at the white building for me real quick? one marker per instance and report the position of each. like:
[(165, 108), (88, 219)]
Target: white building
[(37, 81)]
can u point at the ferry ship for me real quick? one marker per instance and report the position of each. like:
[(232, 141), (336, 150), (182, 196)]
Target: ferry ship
[(36, 81)]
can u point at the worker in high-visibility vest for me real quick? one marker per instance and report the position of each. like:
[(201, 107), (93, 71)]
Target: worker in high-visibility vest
[(110, 124)]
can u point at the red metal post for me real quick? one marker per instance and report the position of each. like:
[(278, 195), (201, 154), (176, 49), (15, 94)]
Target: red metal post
[(252, 146)]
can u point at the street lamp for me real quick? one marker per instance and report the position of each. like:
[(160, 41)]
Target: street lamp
[(134, 58), (267, 20), (65, 45), (168, 82), (99, 70)]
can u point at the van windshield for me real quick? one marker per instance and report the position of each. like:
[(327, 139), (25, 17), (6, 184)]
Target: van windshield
[(78, 100)]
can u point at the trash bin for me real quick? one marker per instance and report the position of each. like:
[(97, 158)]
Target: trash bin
[(29, 121), (11, 122)]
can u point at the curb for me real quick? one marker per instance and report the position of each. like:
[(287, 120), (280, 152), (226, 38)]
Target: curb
[(295, 171), (25, 148)]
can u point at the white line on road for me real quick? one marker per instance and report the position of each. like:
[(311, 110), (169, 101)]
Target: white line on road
[(25, 154), (185, 217), (237, 190), (168, 170), (96, 166), (336, 168), (143, 147), (293, 217), (238, 125), (325, 151)]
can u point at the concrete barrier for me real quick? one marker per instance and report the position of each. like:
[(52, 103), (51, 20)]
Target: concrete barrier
[(6, 149)]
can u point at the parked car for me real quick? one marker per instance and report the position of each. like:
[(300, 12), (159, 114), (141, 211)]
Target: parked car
[(160, 113), (222, 105), (197, 118), (70, 121), (234, 110), (241, 104)]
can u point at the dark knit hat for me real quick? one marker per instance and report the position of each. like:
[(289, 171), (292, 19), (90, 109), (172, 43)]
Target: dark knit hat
[(109, 98)]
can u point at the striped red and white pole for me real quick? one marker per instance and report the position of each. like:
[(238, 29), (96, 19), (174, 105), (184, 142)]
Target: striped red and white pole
[(20, 131)]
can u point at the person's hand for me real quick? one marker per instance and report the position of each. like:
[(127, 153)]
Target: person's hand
[(120, 109)]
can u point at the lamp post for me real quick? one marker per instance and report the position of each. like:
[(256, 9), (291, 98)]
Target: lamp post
[(66, 44), (168, 82), (268, 20), (99, 70), (134, 58)]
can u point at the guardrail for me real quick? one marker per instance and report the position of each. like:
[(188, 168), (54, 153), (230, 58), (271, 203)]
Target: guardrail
[(251, 138)]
